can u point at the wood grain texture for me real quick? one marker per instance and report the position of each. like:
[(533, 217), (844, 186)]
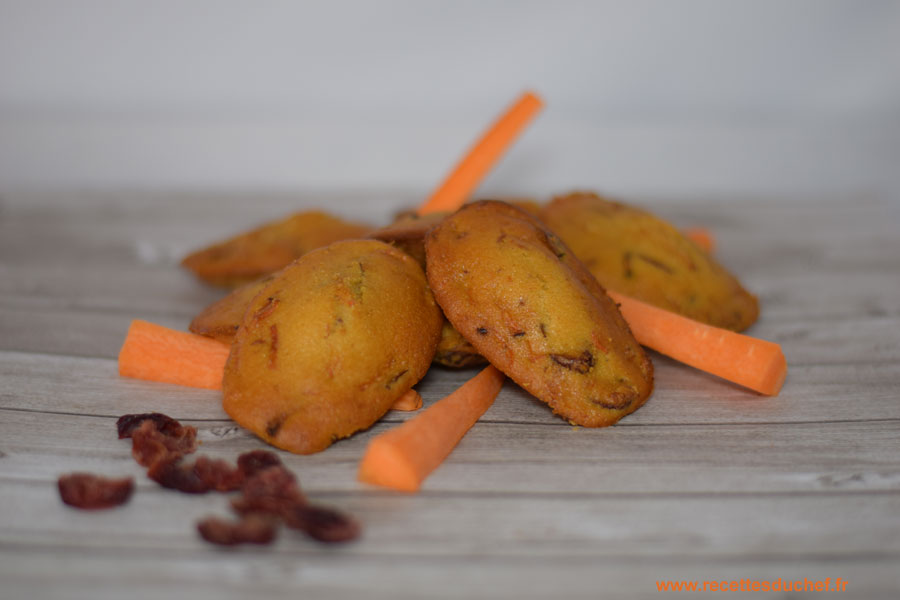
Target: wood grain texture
[(706, 482)]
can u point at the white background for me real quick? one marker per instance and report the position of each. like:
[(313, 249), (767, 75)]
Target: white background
[(657, 97)]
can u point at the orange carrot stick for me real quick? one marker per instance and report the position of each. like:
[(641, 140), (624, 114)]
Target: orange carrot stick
[(753, 363), (703, 237), (463, 180), (403, 457), (157, 353), (409, 401)]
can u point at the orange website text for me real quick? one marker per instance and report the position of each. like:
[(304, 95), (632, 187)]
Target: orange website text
[(751, 585)]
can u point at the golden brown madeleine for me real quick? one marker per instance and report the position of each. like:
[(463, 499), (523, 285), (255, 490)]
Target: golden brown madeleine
[(329, 344), (640, 255), (268, 248), (220, 320), (517, 293)]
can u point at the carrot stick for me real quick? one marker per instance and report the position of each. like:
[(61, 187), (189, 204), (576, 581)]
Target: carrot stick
[(409, 401), (157, 353), (403, 457), (463, 180), (703, 237), (753, 363)]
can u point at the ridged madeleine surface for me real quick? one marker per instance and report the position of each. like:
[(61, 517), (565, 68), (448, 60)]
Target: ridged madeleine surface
[(640, 255), (329, 344), (522, 299)]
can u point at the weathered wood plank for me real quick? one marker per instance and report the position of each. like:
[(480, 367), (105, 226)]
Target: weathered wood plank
[(758, 235), (557, 526), (134, 228), (748, 239), (110, 574), (97, 334), (832, 334), (150, 290), (521, 458), (812, 393)]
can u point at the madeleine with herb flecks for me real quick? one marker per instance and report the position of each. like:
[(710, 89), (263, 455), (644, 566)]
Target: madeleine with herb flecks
[(523, 300), (638, 254), (328, 345)]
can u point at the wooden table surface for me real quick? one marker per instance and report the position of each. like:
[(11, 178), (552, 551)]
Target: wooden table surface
[(706, 482)]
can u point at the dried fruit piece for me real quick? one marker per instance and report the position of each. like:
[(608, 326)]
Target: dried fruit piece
[(171, 473), (204, 475), (273, 490), (269, 491), (149, 445), (160, 443), (89, 492), (321, 523), (640, 255), (256, 461), (250, 529), (220, 475), (126, 424), (523, 300)]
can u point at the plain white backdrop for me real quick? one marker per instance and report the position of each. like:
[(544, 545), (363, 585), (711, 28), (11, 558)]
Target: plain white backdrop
[(642, 97)]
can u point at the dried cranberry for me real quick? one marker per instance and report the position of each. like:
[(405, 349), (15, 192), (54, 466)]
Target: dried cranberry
[(269, 491), (273, 491), (251, 463), (219, 475), (250, 529), (171, 473), (165, 424), (83, 490), (150, 445), (321, 523), (205, 475)]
